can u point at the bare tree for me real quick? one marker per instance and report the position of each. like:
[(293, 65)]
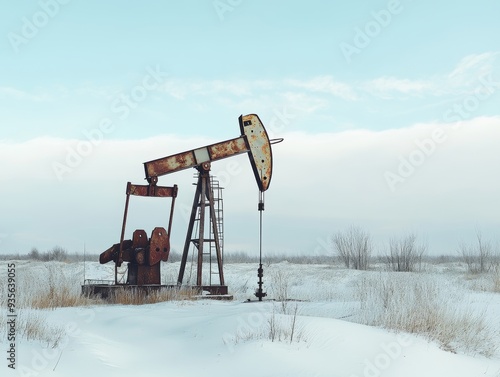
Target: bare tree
[(353, 247), (479, 258), (34, 254), (405, 254)]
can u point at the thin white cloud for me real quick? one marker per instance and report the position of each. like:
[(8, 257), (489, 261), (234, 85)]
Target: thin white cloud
[(7, 93), (388, 87), (307, 95), (182, 88), (104, 93), (473, 65), (463, 79), (304, 103), (325, 84)]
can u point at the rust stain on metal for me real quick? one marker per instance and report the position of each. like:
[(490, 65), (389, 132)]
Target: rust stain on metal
[(227, 148), (152, 190), (144, 274), (260, 150), (179, 161), (139, 239), (142, 254), (159, 246), (170, 164), (138, 190), (140, 257)]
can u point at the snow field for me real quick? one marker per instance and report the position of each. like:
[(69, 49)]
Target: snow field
[(317, 329)]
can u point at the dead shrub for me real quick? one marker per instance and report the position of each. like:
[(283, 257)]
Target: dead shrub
[(405, 254), (353, 247), (480, 257)]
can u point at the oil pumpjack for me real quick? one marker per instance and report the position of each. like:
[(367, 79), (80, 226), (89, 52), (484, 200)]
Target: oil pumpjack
[(143, 255)]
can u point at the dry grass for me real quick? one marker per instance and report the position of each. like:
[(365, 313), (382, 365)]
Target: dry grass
[(280, 288), (138, 297), (274, 325), (495, 279), (284, 327), (418, 305), (486, 282), (489, 282), (34, 326), (50, 289)]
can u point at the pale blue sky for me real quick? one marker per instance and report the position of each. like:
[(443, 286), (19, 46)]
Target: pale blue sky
[(220, 59), (91, 50)]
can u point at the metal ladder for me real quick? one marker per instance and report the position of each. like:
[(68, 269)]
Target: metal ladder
[(219, 219), (210, 255)]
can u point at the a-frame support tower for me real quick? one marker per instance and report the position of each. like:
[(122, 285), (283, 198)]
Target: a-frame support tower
[(203, 201)]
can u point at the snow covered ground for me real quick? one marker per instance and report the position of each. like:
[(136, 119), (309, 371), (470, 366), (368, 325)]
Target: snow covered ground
[(318, 331)]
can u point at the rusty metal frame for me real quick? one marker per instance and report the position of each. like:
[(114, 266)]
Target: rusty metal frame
[(151, 190), (254, 140), (203, 191)]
